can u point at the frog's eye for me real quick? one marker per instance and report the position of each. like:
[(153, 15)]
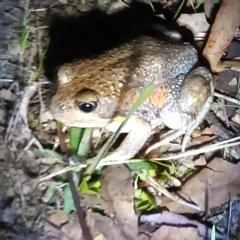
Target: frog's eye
[(86, 100), (87, 107)]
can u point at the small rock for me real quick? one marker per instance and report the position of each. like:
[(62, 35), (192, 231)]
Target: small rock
[(57, 217), (236, 117)]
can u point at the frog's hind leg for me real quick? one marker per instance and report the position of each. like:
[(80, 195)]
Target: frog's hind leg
[(173, 134), (189, 109), (193, 125)]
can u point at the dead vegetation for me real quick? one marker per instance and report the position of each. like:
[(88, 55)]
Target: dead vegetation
[(136, 199)]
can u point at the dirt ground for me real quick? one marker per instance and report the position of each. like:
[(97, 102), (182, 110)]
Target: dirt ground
[(208, 182)]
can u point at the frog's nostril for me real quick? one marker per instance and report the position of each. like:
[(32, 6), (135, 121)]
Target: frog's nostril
[(63, 106)]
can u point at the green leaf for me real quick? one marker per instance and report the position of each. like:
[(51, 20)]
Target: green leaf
[(95, 184), (150, 3), (75, 136), (138, 192), (145, 196), (139, 166), (98, 208), (167, 165), (147, 201), (89, 187), (87, 178), (148, 197), (200, 2), (179, 9), (152, 173), (68, 203), (40, 66), (165, 175), (213, 234), (83, 187), (85, 144), (58, 156), (49, 193), (145, 94), (142, 205)]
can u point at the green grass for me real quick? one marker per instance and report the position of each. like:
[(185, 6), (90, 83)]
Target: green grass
[(80, 144), (199, 3), (145, 94), (213, 234)]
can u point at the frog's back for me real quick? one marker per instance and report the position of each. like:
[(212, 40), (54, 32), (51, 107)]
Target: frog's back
[(159, 61), (141, 61), (133, 64)]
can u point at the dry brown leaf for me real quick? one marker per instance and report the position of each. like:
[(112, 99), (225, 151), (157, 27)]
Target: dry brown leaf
[(203, 139), (174, 219), (207, 131), (222, 31), (213, 129), (221, 115), (196, 133), (233, 82), (54, 232), (175, 233), (236, 117), (118, 190), (201, 161), (73, 230), (154, 153), (57, 217), (63, 1), (109, 228), (196, 22), (100, 237), (7, 95), (221, 179), (223, 81)]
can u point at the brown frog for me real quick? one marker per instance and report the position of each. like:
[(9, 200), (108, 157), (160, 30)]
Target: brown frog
[(100, 90)]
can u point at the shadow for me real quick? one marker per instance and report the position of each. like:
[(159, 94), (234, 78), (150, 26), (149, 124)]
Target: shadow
[(93, 32)]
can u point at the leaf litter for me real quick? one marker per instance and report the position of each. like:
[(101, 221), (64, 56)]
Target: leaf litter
[(218, 180)]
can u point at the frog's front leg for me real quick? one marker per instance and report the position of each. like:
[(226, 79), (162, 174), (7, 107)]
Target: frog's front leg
[(138, 130), (187, 105)]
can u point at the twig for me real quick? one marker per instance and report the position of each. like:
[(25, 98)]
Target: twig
[(230, 99), (77, 202), (62, 171), (32, 141), (205, 149), (152, 182), (80, 213), (176, 220), (6, 80), (230, 215)]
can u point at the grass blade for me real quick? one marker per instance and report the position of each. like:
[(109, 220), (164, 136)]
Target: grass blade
[(145, 94)]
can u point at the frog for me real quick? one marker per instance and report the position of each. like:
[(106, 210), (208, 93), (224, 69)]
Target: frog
[(98, 92)]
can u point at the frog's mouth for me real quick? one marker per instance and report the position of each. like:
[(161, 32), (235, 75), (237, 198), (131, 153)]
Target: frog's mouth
[(73, 118)]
